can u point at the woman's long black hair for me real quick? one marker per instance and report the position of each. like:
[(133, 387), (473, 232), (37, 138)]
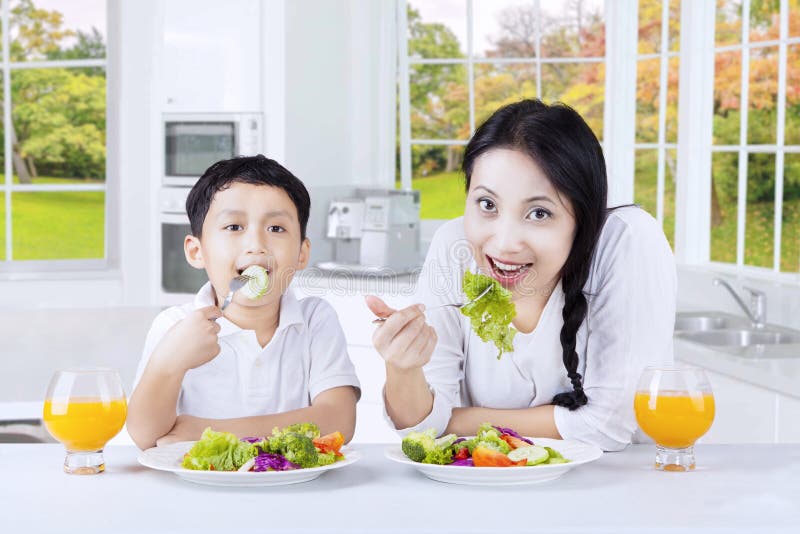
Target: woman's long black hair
[(561, 143)]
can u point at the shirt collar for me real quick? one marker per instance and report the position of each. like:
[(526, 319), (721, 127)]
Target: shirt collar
[(290, 313)]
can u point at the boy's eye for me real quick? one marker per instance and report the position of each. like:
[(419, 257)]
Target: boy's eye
[(486, 204), (275, 228), (234, 227), (539, 214)]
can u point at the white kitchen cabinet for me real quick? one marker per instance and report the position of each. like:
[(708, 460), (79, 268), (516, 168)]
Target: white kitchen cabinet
[(211, 56), (744, 413), (788, 419)]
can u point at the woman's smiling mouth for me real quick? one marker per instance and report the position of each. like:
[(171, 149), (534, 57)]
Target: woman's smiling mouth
[(508, 274)]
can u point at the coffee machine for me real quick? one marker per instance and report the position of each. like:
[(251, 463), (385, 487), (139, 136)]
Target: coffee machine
[(374, 231)]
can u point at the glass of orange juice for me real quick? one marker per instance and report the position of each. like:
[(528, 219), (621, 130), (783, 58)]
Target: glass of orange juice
[(675, 407), (84, 409)]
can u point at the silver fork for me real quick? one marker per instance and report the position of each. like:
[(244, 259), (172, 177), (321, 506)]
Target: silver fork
[(235, 285), (380, 320)]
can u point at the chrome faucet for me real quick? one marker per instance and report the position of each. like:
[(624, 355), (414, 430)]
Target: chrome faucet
[(757, 310)]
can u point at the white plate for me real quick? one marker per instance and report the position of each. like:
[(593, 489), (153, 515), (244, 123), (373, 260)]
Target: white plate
[(578, 453), (169, 458)]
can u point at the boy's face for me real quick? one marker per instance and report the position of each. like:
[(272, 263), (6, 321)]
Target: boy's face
[(249, 225)]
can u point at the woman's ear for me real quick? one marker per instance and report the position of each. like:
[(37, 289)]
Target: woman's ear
[(305, 254), (194, 252)]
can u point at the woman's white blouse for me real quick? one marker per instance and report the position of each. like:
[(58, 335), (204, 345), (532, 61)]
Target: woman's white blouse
[(629, 325)]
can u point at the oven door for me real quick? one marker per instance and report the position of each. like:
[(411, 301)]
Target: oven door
[(177, 276), (191, 146)]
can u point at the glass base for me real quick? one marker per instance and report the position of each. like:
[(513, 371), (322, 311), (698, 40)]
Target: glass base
[(674, 459), (84, 463)]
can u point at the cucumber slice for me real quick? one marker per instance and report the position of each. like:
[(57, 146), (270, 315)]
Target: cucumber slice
[(533, 453), (257, 286)]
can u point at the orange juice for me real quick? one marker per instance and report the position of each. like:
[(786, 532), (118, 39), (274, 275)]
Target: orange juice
[(674, 419), (84, 424)]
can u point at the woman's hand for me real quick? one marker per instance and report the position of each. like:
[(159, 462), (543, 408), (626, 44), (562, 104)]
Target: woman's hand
[(404, 340)]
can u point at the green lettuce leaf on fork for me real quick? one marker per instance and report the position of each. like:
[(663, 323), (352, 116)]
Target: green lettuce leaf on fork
[(491, 315), (218, 451)]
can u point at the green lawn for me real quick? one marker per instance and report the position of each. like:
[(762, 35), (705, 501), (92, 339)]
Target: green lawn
[(55, 225), (442, 197)]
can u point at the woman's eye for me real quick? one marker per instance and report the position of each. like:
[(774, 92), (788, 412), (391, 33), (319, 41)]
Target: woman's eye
[(486, 205), (275, 228), (539, 214), (234, 227)]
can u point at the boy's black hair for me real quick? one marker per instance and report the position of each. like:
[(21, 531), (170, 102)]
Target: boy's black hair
[(256, 170)]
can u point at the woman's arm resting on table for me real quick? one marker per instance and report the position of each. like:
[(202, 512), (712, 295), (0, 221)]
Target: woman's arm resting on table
[(332, 410), (536, 422)]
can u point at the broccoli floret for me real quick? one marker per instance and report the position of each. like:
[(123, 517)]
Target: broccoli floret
[(297, 448), (423, 447), (307, 429), (417, 444), (488, 437), (325, 458)]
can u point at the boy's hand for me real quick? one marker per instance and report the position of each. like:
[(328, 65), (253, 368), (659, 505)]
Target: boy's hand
[(187, 428), (404, 340), (191, 342)]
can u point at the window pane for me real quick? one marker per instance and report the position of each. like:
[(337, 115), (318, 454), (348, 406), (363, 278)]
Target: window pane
[(2, 225), (573, 29), (57, 226), (790, 231), (760, 219), (729, 22), (762, 122), (501, 84), (57, 29), (673, 74), (436, 174), (792, 128), (580, 85), (674, 25), (670, 171), (59, 118), (504, 28), (647, 85), (650, 26), (437, 29), (645, 190), (724, 196), (794, 18), (764, 21), (727, 89), (439, 102)]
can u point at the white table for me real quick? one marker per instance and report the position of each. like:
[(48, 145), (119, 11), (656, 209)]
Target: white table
[(750, 488)]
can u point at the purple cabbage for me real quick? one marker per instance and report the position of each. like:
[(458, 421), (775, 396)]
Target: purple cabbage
[(459, 440), (466, 462), (513, 434), (274, 462), (251, 440)]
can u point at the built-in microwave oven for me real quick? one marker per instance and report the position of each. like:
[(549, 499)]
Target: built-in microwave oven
[(193, 141)]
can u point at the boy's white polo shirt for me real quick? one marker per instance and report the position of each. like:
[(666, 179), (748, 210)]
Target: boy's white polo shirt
[(306, 356)]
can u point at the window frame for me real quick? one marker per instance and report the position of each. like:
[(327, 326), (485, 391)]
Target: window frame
[(11, 268), (470, 60)]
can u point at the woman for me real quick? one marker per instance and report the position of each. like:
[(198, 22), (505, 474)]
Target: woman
[(594, 290)]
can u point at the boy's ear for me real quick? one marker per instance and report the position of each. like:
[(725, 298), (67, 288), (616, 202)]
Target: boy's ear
[(193, 252), (305, 254)]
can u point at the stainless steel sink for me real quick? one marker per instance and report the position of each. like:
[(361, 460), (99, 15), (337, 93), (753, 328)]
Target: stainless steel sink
[(741, 338), (736, 335)]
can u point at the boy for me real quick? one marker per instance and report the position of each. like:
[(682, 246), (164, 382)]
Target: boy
[(268, 362)]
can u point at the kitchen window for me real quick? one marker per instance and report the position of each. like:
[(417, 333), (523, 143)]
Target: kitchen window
[(53, 196), (463, 59)]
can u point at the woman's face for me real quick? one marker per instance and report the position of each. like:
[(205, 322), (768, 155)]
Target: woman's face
[(521, 229)]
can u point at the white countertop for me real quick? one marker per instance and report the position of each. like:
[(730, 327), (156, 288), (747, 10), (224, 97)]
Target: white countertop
[(751, 488)]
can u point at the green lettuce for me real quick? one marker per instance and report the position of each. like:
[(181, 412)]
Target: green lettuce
[(220, 451), (490, 315)]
